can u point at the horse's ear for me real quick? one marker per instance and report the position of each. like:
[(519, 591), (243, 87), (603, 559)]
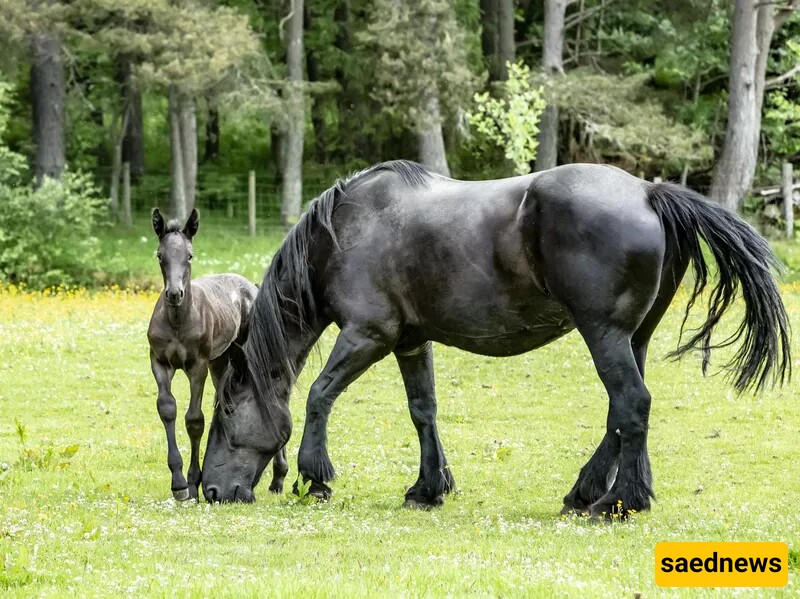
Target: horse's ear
[(193, 222), (158, 223), (237, 359)]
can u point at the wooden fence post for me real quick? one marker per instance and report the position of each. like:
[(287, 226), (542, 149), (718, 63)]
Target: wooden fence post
[(788, 200), (127, 218), (251, 204)]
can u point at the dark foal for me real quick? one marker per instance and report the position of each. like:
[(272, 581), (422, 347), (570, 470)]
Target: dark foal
[(193, 325), (398, 257)]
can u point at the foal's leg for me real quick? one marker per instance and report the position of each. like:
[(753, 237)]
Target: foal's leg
[(355, 350), (435, 478), (167, 410), (195, 422), (280, 467)]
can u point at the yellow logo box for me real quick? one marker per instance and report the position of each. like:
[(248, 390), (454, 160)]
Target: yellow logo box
[(722, 564)]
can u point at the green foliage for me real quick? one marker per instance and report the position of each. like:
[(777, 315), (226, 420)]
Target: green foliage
[(46, 457), (13, 166), (622, 121), (47, 234), (782, 123), (511, 122), (420, 50), (303, 495)]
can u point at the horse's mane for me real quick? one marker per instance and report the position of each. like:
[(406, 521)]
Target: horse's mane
[(285, 303), (173, 226)]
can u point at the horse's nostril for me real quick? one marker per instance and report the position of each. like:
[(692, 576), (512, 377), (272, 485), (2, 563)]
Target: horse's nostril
[(211, 493)]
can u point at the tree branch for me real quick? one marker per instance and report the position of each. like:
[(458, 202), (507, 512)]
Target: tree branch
[(582, 16), (777, 81)]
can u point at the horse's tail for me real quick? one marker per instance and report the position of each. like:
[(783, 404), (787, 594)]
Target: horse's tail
[(743, 259)]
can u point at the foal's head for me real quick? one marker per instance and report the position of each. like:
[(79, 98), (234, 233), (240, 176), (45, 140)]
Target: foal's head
[(175, 254)]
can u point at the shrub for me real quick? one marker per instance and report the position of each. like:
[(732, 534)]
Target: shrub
[(45, 233)]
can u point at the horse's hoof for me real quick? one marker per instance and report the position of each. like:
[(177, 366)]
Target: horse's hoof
[(573, 512), (416, 504), (193, 494), (319, 491), (183, 494), (276, 488), (321, 495)]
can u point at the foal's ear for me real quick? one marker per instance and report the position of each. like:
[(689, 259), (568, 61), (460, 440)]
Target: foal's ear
[(158, 223), (193, 222), (237, 359)]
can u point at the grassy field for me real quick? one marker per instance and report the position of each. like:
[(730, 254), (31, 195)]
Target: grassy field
[(86, 509)]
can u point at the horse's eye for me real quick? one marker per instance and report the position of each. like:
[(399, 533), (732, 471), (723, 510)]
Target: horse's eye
[(190, 257), (159, 257)]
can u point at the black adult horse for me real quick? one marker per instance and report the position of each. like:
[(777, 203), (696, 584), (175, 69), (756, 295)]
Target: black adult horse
[(398, 257)]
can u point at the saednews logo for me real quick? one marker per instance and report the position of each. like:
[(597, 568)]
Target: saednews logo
[(722, 564)]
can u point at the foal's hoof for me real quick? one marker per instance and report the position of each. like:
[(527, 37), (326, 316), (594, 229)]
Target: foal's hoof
[(184, 494), (276, 487), (193, 494)]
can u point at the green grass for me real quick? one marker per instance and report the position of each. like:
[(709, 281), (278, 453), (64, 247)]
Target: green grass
[(516, 431)]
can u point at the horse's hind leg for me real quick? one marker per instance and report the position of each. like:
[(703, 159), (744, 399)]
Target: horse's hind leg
[(597, 476), (195, 422), (280, 468), (167, 410), (355, 350), (435, 478), (628, 416)]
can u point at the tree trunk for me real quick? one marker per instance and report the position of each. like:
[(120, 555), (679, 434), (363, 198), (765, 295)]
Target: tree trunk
[(127, 217), (188, 124), (211, 152), (47, 94), (133, 140), (553, 65), (490, 39), (736, 165), (293, 166), (117, 136), (178, 196), (429, 136), (506, 48), (320, 135)]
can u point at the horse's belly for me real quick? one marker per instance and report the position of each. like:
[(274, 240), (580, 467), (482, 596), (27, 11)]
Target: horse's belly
[(503, 330)]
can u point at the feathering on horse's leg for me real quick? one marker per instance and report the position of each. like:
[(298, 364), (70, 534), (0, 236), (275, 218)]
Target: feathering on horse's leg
[(435, 478)]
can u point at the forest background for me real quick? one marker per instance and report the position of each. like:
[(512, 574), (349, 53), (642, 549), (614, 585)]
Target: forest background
[(108, 108)]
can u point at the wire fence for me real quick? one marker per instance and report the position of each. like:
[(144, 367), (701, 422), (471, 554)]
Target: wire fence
[(224, 194)]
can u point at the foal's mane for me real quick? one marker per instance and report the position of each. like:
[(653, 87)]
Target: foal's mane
[(285, 303)]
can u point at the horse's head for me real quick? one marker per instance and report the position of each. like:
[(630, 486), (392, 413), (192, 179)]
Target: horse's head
[(175, 254), (243, 437)]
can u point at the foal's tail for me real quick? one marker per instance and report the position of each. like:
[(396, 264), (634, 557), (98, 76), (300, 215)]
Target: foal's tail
[(743, 260)]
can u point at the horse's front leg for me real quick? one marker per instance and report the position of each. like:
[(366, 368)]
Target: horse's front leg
[(355, 350), (167, 410), (280, 468), (195, 422), (435, 478)]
